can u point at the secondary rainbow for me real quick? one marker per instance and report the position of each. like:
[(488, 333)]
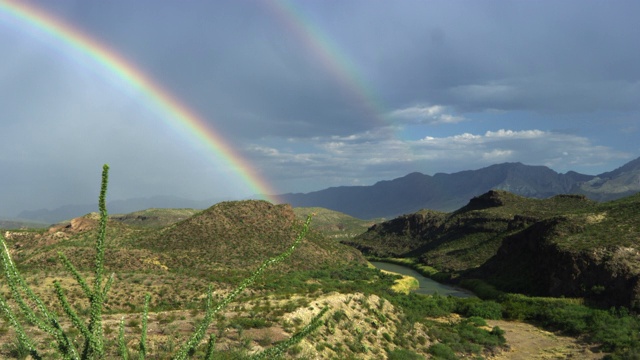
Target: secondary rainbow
[(333, 59), (175, 114)]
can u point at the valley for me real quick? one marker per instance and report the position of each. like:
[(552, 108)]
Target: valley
[(174, 255)]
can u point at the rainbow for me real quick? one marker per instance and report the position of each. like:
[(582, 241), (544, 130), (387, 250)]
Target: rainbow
[(106, 61), (334, 60)]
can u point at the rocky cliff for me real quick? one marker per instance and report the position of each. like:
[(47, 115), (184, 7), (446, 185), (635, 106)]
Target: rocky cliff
[(537, 261), (566, 245)]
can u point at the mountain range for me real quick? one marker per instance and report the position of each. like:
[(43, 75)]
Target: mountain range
[(407, 194), (66, 212), (448, 192)]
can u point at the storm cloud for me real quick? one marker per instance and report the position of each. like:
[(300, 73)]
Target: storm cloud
[(313, 94)]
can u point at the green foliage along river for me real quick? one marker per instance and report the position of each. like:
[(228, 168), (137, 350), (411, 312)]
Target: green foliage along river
[(427, 286)]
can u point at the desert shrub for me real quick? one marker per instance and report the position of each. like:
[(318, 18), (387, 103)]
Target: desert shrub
[(482, 289), (339, 316), (416, 307), (616, 329), (250, 323), (475, 307), (442, 351), (477, 321), (403, 354), (34, 312), (464, 337), (471, 333)]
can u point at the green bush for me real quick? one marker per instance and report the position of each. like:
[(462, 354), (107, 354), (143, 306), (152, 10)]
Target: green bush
[(616, 330), (339, 316), (487, 309), (482, 289), (477, 321), (442, 351), (403, 354)]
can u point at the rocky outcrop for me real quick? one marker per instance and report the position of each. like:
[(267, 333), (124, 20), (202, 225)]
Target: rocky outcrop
[(399, 236), (566, 245), (532, 262)]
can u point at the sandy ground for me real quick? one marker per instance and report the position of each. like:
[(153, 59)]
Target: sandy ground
[(529, 342)]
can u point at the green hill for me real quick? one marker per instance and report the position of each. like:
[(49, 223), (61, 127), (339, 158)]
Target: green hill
[(229, 237), (592, 254), (566, 245), (335, 224), (464, 239), (240, 235), (154, 218), (217, 247)]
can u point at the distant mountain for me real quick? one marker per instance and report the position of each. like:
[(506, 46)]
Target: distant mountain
[(447, 192), (408, 194), (615, 184), (67, 212), (20, 224)]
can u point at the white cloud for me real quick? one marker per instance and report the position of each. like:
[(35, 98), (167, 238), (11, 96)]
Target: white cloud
[(465, 137), (434, 114), (384, 156), (497, 155), (524, 134)]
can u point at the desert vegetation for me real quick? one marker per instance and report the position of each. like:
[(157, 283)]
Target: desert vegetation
[(29, 308), (506, 248), (158, 299), (175, 284)]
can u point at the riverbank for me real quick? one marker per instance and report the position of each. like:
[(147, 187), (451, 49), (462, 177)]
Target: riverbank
[(405, 284), (426, 286), (424, 270)]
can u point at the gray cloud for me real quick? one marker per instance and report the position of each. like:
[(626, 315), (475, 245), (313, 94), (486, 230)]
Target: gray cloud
[(434, 114), (349, 92)]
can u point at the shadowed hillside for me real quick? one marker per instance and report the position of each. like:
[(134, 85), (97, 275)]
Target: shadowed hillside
[(566, 245), (466, 238)]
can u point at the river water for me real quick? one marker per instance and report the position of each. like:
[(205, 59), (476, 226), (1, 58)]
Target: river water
[(427, 286)]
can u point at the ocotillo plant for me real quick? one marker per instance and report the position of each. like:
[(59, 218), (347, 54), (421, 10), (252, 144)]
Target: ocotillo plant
[(32, 311)]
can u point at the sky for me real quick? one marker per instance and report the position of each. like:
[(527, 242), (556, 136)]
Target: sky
[(299, 96)]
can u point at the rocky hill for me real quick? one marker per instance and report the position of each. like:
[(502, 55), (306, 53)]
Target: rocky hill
[(334, 224), (566, 245), (593, 254), (230, 235), (447, 192), (241, 234), (154, 217), (176, 264)]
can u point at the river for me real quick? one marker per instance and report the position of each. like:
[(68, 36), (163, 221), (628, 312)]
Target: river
[(427, 286)]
